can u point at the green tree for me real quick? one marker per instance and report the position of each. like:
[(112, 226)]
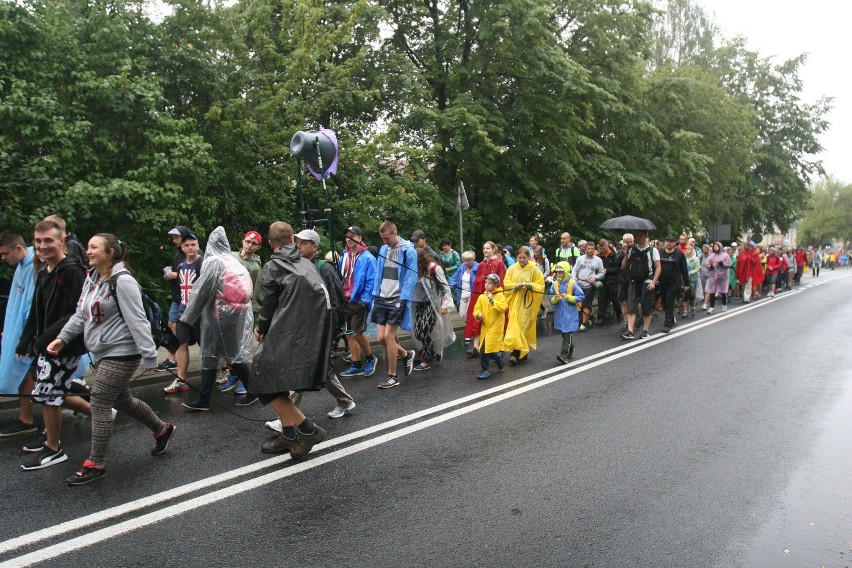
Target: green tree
[(829, 214)]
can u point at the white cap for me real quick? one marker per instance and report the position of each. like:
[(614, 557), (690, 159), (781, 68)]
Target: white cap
[(309, 235)]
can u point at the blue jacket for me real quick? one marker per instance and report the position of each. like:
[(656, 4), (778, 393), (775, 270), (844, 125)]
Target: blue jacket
[(362, 278), (407, 273), (456, 282), (12, 370), (566, 318)]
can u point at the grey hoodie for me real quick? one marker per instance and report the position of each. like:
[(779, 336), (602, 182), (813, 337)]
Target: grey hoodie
[(107, 332)]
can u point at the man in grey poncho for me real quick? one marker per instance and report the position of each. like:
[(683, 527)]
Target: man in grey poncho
[(294, 330)]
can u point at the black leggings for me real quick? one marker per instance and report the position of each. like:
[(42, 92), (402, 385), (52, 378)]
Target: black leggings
[(713, 300)]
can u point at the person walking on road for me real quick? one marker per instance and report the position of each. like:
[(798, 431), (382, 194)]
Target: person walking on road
[(567, 293), (358, 269), (112, 320), (490, 312)]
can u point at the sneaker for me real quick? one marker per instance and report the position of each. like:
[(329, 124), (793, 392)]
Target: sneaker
[(424, 366), (223, 375), (513, 360), (340, 412), (627, 335), (247, 400), (703, 306), (499, 361), (583, 327), (196, 406), (388, 383), (483, 375), (692, 311), (176, 387), (161, 441), (240, 390), (44, 458), (709, 311), (167, 364), (278, 444), (306, 442), (772, 294), (86, 474), (230, 384), (18, 428), (274, 425), (370, 365), (666, 329), (409, 361), (36, 445), (725, 308), (347, 358), (645, 334), (472, 352), (561, 359), (354, 371)]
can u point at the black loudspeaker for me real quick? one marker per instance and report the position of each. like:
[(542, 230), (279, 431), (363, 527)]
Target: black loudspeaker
[(303, 145)]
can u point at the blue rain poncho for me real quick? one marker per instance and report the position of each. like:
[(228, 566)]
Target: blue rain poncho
[(12, 370)]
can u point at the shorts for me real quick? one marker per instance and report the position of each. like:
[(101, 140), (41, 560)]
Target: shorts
[(189, 334), (385, 313), (589, 293), (54, 379), (174, 311), (356, 316), (638, 296)]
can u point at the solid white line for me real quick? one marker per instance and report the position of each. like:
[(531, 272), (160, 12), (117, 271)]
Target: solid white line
[(214, 496)]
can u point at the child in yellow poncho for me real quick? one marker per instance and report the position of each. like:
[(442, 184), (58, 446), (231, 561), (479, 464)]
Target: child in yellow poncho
[(490, 311)]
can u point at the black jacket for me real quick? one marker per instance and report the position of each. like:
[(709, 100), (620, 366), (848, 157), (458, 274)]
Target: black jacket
[(54, 302)]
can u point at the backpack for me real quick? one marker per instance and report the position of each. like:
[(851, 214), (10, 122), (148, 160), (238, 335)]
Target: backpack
[(638, 263), (236, 286), (151, 308)]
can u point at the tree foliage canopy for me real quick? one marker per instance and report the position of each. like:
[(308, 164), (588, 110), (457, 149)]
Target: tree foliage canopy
[(555, 115)]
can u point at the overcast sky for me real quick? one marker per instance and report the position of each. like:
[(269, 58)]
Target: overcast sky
[(785, 29)]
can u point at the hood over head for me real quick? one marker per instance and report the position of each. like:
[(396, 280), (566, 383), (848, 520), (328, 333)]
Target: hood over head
[(566, 267), (217, 243)]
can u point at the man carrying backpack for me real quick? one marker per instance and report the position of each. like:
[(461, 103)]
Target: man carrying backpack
[(674, 276), (642, 267)]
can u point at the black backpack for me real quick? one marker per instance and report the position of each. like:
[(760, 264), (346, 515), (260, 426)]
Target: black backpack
[(153, 313), (638, 263)]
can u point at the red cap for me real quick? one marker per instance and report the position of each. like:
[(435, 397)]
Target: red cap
[(255, 236)]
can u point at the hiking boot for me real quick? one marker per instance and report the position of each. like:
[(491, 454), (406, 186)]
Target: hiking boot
[(278, 444), (86, 474), (18, 428), (177, 386), (44, 458), (340, 411), (161, 441), (306, 442)]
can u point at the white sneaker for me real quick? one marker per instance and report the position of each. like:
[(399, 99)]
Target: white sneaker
[(340, 411), (703, 306), (709, 311), (725, 308), (274, 425)]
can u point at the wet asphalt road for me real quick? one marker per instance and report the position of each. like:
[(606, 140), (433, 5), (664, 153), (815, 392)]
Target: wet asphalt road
[(725, 443)]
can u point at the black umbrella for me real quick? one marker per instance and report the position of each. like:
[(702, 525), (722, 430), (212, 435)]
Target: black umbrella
[(628, 222)]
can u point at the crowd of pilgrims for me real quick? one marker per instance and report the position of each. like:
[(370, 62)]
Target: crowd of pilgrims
[(231, 304)]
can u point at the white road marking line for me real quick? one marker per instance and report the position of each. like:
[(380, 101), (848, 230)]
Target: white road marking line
[(217, 495)]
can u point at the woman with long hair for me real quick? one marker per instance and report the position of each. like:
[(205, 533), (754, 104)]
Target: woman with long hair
[(492, 263), (432, 302), (718, 263), (111, 317)]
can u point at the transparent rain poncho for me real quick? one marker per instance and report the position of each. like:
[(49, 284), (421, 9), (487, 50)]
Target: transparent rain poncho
[(221, 297), (438, 291)]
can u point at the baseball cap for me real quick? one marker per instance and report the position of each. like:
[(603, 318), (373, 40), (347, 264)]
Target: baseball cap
[(189, 237), (255, 236), (174, 231), (355, 230), (417, 235), (671, 238), (309, 235), (493, 277)]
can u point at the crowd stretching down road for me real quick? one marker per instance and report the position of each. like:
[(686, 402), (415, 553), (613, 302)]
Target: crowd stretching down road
[(268, 333)]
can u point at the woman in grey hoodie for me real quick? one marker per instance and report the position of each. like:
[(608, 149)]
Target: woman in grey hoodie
[(117, 333)]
